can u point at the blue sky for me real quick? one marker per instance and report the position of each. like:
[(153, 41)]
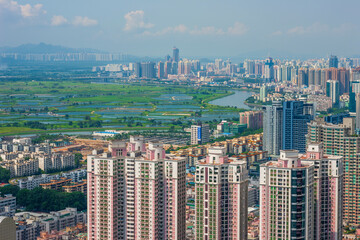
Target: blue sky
[(200, 28)]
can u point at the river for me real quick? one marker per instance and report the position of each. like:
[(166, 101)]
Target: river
[(235, 100)]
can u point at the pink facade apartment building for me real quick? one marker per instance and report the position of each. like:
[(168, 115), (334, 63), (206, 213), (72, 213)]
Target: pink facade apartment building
[(221, 186), (301, 196), (253, 119), (144, 194)]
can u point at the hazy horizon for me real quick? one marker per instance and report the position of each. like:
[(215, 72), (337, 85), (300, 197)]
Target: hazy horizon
[(198, 28)]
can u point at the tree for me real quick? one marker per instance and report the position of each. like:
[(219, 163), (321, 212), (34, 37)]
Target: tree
[(9, 189), (4, 175), (78, 157)]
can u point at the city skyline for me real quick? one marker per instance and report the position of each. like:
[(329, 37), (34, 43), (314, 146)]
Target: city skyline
[(212, 30)]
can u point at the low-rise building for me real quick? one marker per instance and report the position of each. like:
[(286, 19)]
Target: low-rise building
[(31, 224), (7, 205), (76, 187), (56, 184)]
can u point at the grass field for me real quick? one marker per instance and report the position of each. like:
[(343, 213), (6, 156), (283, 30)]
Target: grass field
[(74, 101)]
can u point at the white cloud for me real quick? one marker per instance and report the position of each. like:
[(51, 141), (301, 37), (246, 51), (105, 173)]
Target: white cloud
[(209, 30), (31, 11), (314, 28), (26, 11), (58, 20), (84, 21), (135, 20), (237, 29), (177, 29)]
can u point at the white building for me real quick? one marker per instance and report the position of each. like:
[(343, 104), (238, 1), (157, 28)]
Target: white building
[(7, 205), (200, 134)]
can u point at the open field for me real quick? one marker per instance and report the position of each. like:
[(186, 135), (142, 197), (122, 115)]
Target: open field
[(48, 106)]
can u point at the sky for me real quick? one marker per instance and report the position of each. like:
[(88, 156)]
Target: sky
[(199, 28)]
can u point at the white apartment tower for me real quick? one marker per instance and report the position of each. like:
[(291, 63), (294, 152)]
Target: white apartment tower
[(200, 134)]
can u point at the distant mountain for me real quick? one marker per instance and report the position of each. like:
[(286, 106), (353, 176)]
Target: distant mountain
[(43, 48)]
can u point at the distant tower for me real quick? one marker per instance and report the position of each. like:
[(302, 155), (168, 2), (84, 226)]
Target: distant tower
[(333, 61), (160, 70), (332, 91), (263, 93), (137, 70), (176, 56)]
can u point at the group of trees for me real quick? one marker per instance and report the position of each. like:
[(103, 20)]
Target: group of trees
[(4, 175), (88, 123), (44, 200)]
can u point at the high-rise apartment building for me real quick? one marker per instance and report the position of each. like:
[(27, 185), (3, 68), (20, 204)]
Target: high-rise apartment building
[(344, 80), (221, 186), (303, 77), (148, 70), (137, 70), (136, 193), (332, 91), (340, 140), (167, 69), (269, 69), (263, 93), (296, 115), (253, 119), (329, 187), (357, 122), (160, 70), (200, 134), (287, 198), (301, 196), (353, 90), (176, 54), (105, 207), (250, 66), (333, 61), (285, 125), (272, 127)]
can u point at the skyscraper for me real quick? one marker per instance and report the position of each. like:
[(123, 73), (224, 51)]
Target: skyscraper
[(136, 193), (333, 62), (339, 140), (221, 186), (301, 196), (344, 80), (160, 70), (272, 126), (354, 89), (105, 196), (253, 119), (287, 198), (329, 189), (176, 56), (332, 91), (303, 77), (137, 70), (263, 93), (269, 69), (148, 70), (200, 134), (296, 115), (357, 122), (285, 125)]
